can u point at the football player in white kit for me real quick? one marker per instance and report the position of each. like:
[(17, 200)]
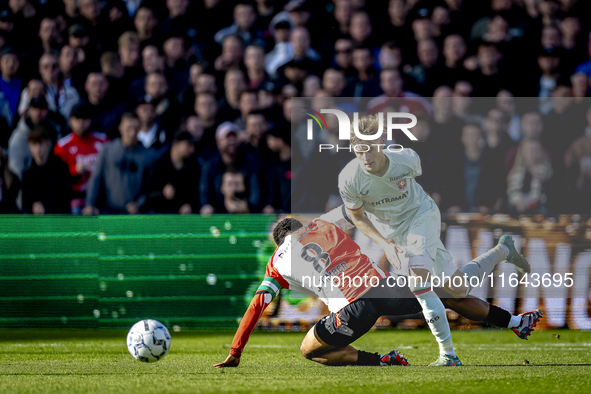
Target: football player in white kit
[(385, 203)]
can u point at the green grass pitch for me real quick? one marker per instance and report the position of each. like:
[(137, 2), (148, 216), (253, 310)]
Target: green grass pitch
[(496, 361)]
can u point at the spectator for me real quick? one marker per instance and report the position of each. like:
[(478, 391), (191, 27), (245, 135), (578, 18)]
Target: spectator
[(152, 62), (175, 59), (472, 181), (488, 78), (49, 42), (366, 83), (244, 25), (206, 108), (10, 84), (299, 48), (586, 66), (361, 30), (68, 61), (80, 150), (234, 84), (392, 84), (549, 63), (507, 105), (60, 97), (227, 157), (180, 19), (9, 187), (254, 60), (113, 70), (256, 126), (527, 182), (556, 136), (115, 186), (454, 54), (397, 25), (174, 184), (106, 113), (232, 53), (234, 192), (19, 155), (496, 137), (333, 82), (342, 15), (151, 134), (21, 20), (46, 184), (282, 52), (312, 84), (463, 102), (144, 22), (203, 83), (577, 162), (532, 126), (249, 101), (428, 69), (164, 101), (129, 54), (278, 174), (343, 55), (390, 55)]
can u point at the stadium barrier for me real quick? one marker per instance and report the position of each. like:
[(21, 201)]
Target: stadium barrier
[(110, 271), (200, 272)]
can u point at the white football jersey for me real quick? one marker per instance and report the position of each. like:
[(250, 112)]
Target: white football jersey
[(390, 199)]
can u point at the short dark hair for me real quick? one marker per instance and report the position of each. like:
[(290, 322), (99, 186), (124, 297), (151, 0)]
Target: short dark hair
[(38, 135), (285, 227), (128, 116)]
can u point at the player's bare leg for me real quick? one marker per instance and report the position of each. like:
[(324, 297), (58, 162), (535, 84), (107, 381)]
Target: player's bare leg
[(313, 348), (475, 309)]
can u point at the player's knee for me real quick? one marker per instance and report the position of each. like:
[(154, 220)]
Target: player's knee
[(306, 352)]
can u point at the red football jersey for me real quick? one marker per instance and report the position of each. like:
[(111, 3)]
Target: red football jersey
[(80, 153)]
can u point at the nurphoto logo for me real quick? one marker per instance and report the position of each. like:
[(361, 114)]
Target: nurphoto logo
[(345, 127)]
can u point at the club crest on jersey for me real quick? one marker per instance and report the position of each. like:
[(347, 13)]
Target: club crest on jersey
[(401, 184), (302, 232)]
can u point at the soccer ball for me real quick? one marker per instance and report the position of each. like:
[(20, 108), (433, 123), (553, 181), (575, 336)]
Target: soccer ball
[(148, 340)]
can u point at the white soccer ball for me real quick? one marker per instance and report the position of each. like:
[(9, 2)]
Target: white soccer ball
[(148, 340)]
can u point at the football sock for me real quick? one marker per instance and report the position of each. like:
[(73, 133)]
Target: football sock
[(366, 358), (484, 264), (498, 317), (515, 321), (434, 313)]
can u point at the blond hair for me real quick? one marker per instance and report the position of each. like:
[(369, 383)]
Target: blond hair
[(367, 125)]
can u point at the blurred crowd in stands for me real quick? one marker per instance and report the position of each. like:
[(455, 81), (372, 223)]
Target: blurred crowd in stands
[(183, 106)]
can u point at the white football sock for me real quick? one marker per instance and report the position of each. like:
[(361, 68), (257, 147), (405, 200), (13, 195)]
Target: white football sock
[(484, 264), (436, 318), (515, 321)]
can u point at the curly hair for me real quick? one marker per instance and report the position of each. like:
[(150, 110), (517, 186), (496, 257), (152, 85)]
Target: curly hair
[(285, 227), (368, 125)]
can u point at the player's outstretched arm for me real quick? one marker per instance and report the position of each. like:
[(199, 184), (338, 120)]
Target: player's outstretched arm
[(364, 225), (251, 317)]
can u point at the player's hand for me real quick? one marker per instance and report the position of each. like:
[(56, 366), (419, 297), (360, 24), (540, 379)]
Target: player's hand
[(169, 191), (230, 361), (132, 208), (38, 208), (90, 211), (186, 209), (392, 251), (206, 210)]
